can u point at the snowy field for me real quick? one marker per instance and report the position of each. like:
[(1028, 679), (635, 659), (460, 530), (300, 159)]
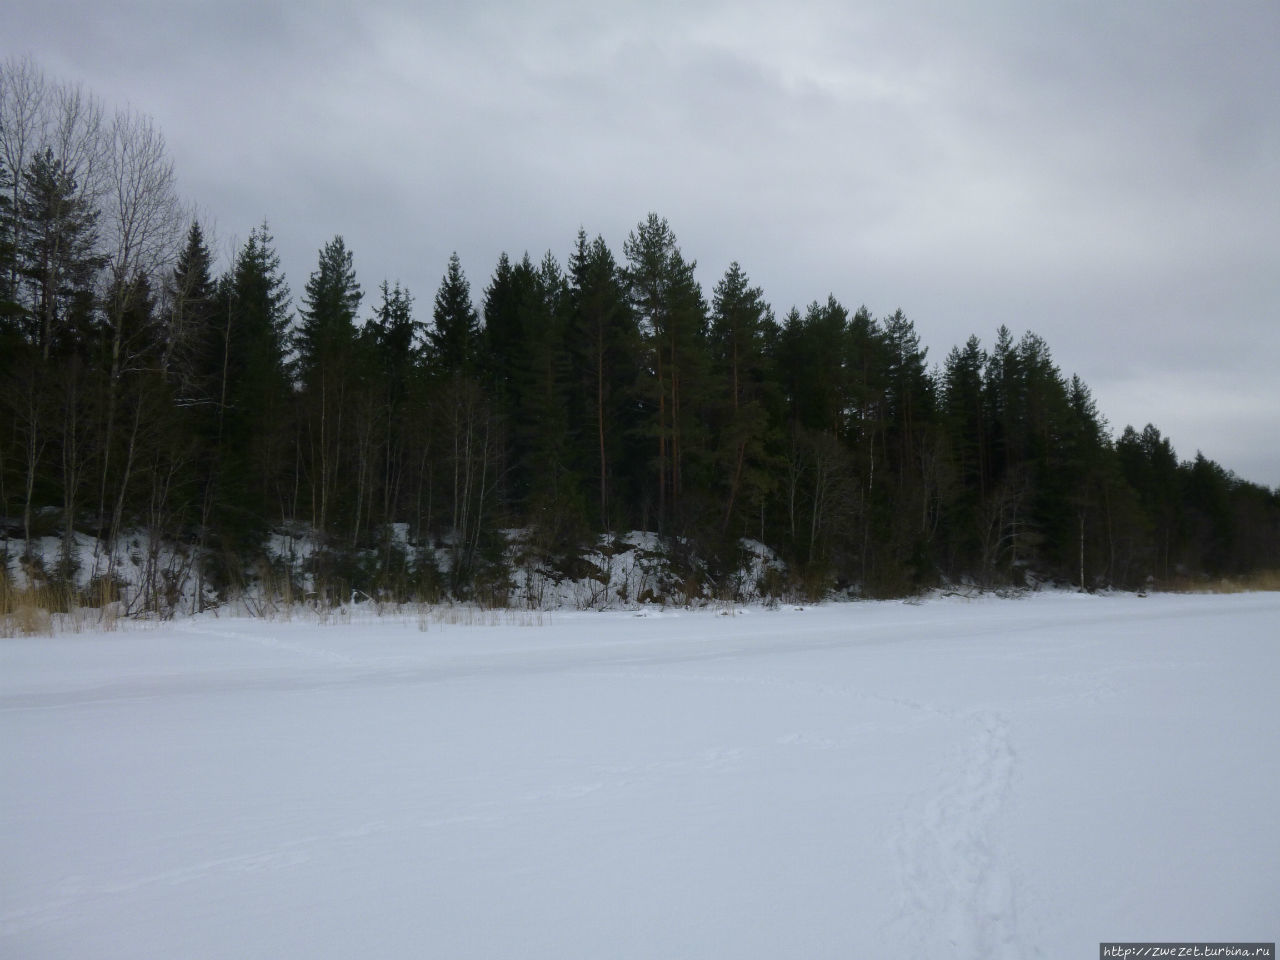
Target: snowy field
[(971, 779)]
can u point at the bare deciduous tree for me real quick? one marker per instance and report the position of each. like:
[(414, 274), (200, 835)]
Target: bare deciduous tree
[(144, 220)]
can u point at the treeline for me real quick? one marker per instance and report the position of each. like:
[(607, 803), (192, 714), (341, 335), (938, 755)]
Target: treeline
[(143, 390)]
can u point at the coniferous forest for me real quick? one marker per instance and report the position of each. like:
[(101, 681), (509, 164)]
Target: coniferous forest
[(148, 392)]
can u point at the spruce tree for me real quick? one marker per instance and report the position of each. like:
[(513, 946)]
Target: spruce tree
[(914, 456), (504, 348), (469, 433), (324, 344), (195, 366), (604, 346), (454, 338), (9, 308), (502, 335), (739, 320), (195, 337), (964, 416), (58, 257), (252, 489), (1084, 458), (392, 347), (812, 351), (542, 425), (669, 306), (326, 321)]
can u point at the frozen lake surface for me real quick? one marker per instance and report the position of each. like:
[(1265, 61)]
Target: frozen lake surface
[(973, 779)]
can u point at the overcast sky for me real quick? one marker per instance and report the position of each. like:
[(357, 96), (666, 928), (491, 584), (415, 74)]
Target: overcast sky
[(1105, 174)]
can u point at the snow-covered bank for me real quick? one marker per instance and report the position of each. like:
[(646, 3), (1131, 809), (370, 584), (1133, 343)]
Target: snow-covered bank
[(986, 778), (142, 578)]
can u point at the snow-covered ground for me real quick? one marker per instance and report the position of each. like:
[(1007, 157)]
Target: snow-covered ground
[(984, 778)]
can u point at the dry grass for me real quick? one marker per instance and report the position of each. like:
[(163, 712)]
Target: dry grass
[(46, 609), (23, 613), (1258, 581), (471, 615)]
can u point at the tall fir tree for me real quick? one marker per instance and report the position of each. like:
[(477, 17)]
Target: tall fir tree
[(672, 314), (325, 370), (504, 351), (965, 419), (59, 257), (541, 425), (454, 339), (195, 365), (502, 335), (194, 338), (740, 318), (469, 434), (392, 341), (9, 308), (604, 347), (326, 320), (253, 488)]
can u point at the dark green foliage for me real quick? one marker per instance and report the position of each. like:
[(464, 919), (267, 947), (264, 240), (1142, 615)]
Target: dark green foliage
[(503, 337), (195, 338), (390, 410), (528, 312), (813, 355), (10, 310), (965, 423), (604, 354), (253, 486), (539, 424), (326, 323), (327, 367), (595, 398), (669, 307), (740, 324), (454, 339), (57, 257)]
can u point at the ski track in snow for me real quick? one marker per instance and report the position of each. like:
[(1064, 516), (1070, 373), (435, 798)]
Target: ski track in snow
[(75, 891), (274, 643), (958, 898)]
